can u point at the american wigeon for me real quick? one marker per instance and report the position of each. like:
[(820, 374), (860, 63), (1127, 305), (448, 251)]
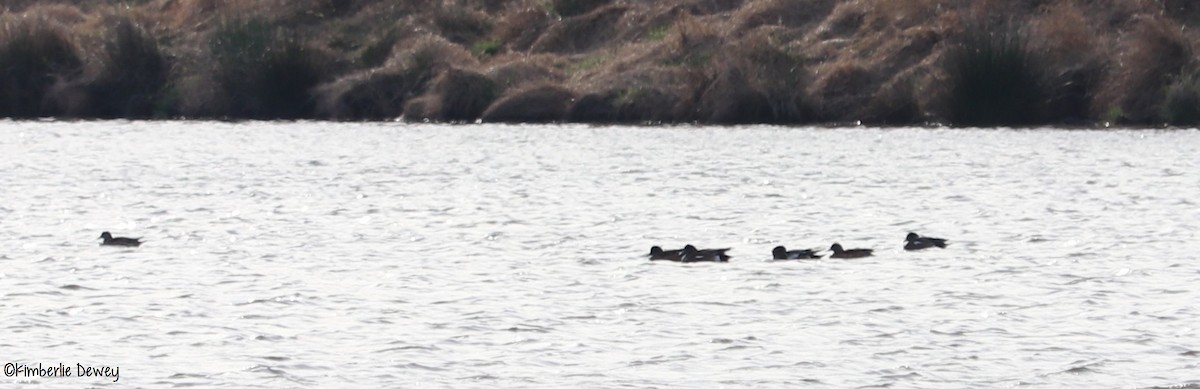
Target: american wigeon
[(782, 253), (838, 252), (691, 254), (109, 240), (658, 254), (917, 242)]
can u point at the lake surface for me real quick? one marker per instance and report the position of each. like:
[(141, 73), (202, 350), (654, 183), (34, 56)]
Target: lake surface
[(388, 255)]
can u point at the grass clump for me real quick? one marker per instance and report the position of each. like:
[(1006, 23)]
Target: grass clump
[(1157, 52), (1182, 106), (991, 77), (133, 74), (34, 55), (263, 72)]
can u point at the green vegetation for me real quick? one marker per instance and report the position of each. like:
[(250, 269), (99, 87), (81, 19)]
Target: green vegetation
[(486, 48)]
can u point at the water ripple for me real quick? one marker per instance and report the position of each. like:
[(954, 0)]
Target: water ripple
[(281, 254)]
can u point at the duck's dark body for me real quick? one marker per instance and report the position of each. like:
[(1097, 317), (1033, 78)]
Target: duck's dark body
[(839, 252), (109, 240), (691, 254), (917, 242), (658, 254), (781, 252)]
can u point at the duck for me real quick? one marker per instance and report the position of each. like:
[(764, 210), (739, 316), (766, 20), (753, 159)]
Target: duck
[(109, 240), (781, 252), (917, 242), (658, 254), (838, 252), (692, 254)]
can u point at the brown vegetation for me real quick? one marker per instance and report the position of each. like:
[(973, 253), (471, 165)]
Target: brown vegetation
[(894, 62)]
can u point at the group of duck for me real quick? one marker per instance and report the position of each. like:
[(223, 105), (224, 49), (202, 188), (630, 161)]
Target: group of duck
[(690, 253)]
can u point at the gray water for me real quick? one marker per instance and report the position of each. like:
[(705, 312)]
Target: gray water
[(387, 255)]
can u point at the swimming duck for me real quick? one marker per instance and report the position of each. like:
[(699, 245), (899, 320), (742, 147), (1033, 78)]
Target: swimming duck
[(109, 240), (691, 254), (838, 252), (917, 242), (658, 254), (782, 253)]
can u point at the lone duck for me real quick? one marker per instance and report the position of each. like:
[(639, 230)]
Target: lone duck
[(917, 242), (782, 253), (109, 240), (838, 252), (691, 254), (658, 254)]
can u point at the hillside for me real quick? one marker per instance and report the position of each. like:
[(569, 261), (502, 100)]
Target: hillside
[(887, 62)]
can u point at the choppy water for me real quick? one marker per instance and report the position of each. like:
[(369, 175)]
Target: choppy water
[(387, 255)]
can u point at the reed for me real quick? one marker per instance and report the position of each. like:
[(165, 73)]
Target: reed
[(991, 78)]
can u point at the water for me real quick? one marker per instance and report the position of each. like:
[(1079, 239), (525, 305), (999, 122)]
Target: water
[(388, 255)]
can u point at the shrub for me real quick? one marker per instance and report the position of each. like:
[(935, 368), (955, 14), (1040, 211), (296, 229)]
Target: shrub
[(991, 78), (539, 104), (456, 95), (729, 99), (33, 56), (581, 33), (382, 93), (460, 25), (779, 73), (1182, 105), (133, 72), (262, 72), (378, 50), (1156, 53)]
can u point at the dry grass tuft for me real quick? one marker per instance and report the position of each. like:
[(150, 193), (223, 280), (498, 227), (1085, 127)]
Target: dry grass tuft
[(842, 90), (456, 96), (1151, 57), (774, 68), (536, 104), (1071, 53), (381, 93), (581, 33), (461, 25), (132, 74), (797, 14), (520, 27), (35, 54), (518, 71)]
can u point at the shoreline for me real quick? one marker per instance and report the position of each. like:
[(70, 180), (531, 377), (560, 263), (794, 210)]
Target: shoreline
[(1114, 64)]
